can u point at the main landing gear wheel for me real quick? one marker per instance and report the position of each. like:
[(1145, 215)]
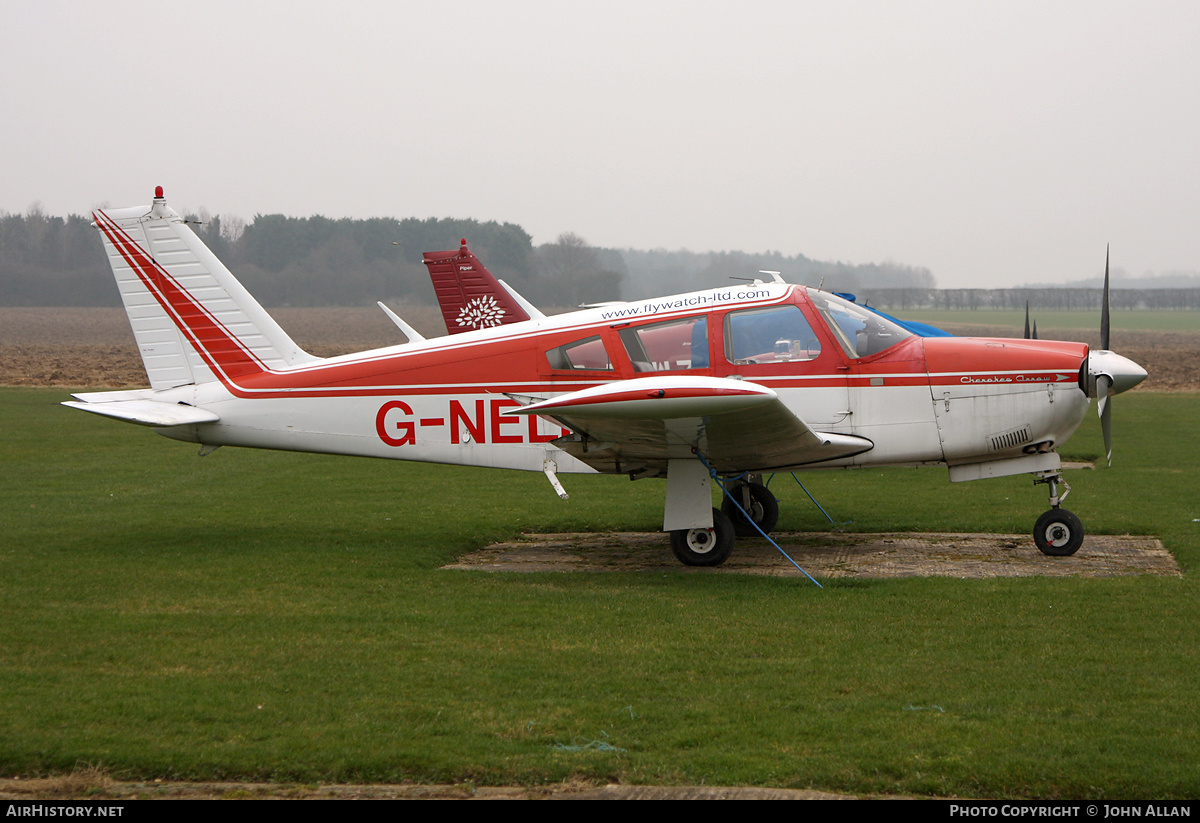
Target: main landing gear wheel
[(1058, 533), (762, 507), (704, 547)]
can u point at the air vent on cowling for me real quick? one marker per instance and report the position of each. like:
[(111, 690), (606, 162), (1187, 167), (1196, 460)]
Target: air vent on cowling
[(1009, 439)]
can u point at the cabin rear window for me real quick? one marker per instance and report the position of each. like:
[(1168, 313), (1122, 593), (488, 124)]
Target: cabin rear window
[(672, 346), (588, 354)]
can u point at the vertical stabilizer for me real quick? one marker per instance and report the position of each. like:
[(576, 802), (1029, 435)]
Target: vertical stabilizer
[(470, 297), (193, 321)]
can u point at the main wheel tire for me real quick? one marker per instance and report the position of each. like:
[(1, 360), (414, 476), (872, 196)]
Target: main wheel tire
[(763, 509), (704, 547), (1058, 533)]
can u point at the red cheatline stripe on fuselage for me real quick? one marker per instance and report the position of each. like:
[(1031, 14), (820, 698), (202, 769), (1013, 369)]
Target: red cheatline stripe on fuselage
[(1009, 378), (232, 362), (540, 387), (221, 350)]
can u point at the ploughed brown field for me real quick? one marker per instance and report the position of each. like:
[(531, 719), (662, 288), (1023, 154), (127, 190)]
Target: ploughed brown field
[(94, 348)]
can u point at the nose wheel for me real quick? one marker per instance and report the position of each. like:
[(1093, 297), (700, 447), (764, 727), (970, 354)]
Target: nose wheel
[(1058, 532)]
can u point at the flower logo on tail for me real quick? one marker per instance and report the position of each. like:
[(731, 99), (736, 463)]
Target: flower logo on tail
[(481, 313)]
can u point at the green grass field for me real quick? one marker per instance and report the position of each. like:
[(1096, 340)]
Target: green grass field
[(283, 616)]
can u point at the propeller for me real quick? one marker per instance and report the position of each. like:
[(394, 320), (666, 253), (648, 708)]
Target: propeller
[(1108, 372)]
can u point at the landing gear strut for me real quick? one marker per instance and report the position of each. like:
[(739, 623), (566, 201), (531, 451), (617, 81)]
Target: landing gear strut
[(757, 502), (1058, 532)]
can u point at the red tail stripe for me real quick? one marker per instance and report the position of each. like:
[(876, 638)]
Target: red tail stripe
[(221, 350)]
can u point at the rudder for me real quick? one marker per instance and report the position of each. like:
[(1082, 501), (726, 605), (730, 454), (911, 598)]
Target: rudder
[(192, 320)]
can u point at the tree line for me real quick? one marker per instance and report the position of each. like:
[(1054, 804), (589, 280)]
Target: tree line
[(1051, 299), (320, 261), (306, 261)]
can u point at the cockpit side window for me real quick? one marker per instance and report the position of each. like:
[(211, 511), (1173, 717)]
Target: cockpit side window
[(671, 346), (588, 354), (773, 335), (861, 332)]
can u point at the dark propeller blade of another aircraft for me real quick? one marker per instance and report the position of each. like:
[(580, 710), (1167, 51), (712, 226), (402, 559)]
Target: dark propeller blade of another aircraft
[(1104, 307), (1027, 320), (1104, 382)]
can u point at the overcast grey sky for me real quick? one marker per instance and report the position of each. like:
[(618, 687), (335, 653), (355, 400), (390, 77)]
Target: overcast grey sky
[(994, 142)]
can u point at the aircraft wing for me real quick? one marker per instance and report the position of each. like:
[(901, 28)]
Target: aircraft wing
[(737, 425)]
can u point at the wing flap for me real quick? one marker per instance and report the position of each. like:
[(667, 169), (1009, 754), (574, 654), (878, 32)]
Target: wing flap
[(773, 437)]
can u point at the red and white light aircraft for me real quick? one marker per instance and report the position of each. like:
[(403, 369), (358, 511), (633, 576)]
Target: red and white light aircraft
[(732, 382)]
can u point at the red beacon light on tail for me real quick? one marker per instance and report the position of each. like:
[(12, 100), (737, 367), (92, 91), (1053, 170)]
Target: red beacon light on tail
[(158, 207)]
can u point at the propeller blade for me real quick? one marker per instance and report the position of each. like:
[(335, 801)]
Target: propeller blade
[(1104, 308), (1104, 407), (1035, 337), (1026, 319)]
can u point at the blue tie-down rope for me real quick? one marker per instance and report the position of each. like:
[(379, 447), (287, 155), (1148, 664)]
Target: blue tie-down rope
[(810, 497), (713, 474), (813, 499)]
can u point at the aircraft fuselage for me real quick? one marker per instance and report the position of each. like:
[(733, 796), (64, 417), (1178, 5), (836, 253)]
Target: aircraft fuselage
[(450, 400)]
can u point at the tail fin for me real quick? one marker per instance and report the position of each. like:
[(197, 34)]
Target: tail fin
[(193, 321), (470, 297)]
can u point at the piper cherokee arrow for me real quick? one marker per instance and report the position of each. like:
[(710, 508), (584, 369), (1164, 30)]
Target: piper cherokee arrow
[(729, 383)]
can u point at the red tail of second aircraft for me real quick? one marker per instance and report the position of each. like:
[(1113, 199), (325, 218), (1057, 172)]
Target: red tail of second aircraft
[(470, 297)]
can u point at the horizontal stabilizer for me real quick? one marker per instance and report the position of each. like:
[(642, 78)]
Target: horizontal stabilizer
[(412, 334), (147, 412), (530, 309)]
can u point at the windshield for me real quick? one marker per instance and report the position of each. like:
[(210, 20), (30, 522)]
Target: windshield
[(861, 332)]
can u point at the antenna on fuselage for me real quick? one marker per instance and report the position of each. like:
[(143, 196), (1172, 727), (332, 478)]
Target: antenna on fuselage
[(775, 278)]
